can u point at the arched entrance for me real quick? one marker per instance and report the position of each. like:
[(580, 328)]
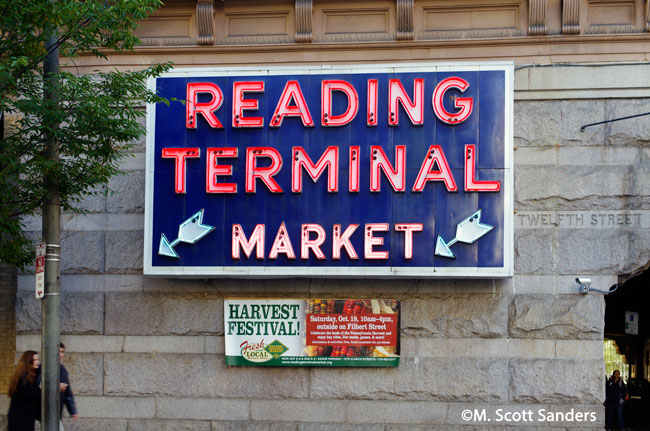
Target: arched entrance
[(627, 344)]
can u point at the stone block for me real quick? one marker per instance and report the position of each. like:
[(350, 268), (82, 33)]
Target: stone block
[(557, 317), (124, 252), (28, 342), (630, 132), (93, 424), (535, 156), (619, 156), (85, 371), (484, 348), (582, 187), (197, 375), (469, 379), (81, 313), (103, 222), (140, 145), (82, 252), (359, 288), (339, 427), (561, 125), (434, 287), (163, 314), (455, 316), (116, 407), (579, 349), (529, 131), (545, 381), (533, 251), (215, 344), (101, 283), (92, 343), (126, 193), (95, 202), (604, 251), (298, 410), (164, 344), (134, 162), (396, 412), (202, 409), (168, 425), (253, 426)]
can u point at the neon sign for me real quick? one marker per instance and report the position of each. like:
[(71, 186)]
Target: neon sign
[(254, 186)]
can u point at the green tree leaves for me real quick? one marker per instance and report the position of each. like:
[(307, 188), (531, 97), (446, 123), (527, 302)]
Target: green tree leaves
[(95, 117)]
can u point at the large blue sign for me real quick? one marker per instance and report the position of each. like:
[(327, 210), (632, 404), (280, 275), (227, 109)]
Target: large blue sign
[(357, 170)]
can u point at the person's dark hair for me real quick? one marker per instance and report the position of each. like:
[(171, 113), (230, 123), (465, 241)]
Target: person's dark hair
[(24, 371), (61, 346)]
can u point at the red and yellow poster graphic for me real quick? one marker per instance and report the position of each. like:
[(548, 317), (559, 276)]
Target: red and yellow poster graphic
[(312, 332)]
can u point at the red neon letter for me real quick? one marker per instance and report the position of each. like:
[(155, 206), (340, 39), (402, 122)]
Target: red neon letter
[(180, 154), (327, 119), (256, 241), (314, 244), (193, 108), (465, 104), (415, 110), (291, 92), (239, 104), (339, 241), (408, 229), (264, 173), (372, 102), (282, 244), (370, 241), (380, 161), (435, 155), (353, 180), (471, 183), (329, 159), (213, 170)]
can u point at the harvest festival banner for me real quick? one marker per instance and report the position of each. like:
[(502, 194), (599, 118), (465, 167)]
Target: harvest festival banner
[(312, 332)]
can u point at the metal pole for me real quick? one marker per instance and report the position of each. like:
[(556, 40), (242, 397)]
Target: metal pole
[(50, 394)]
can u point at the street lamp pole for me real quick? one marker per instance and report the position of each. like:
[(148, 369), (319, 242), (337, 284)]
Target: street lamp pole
[(50, 394)]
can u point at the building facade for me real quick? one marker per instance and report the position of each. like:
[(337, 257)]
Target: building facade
[(147, 352)]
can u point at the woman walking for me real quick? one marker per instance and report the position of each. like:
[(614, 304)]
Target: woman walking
[(25, 406)]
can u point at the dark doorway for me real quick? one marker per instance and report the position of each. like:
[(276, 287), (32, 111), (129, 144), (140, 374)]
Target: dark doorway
[(627, 310)]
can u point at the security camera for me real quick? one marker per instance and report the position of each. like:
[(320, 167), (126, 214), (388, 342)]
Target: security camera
[(584, 284)]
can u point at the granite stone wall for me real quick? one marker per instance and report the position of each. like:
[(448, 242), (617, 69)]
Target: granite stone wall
[(148, 353)]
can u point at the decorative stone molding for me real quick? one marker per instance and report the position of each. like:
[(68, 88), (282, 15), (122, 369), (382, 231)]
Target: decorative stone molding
[(304, 13), (537, 17), (571, 17), (204, 14), (405, 10)]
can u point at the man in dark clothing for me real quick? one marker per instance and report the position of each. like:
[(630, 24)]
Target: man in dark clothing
[(67, 397), (615, 394)]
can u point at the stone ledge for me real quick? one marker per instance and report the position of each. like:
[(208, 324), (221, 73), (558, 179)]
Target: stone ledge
[(164, 344), (396, 412), (90, 282), (484, 348), (117, 407), (202, 408), (298, 410)]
